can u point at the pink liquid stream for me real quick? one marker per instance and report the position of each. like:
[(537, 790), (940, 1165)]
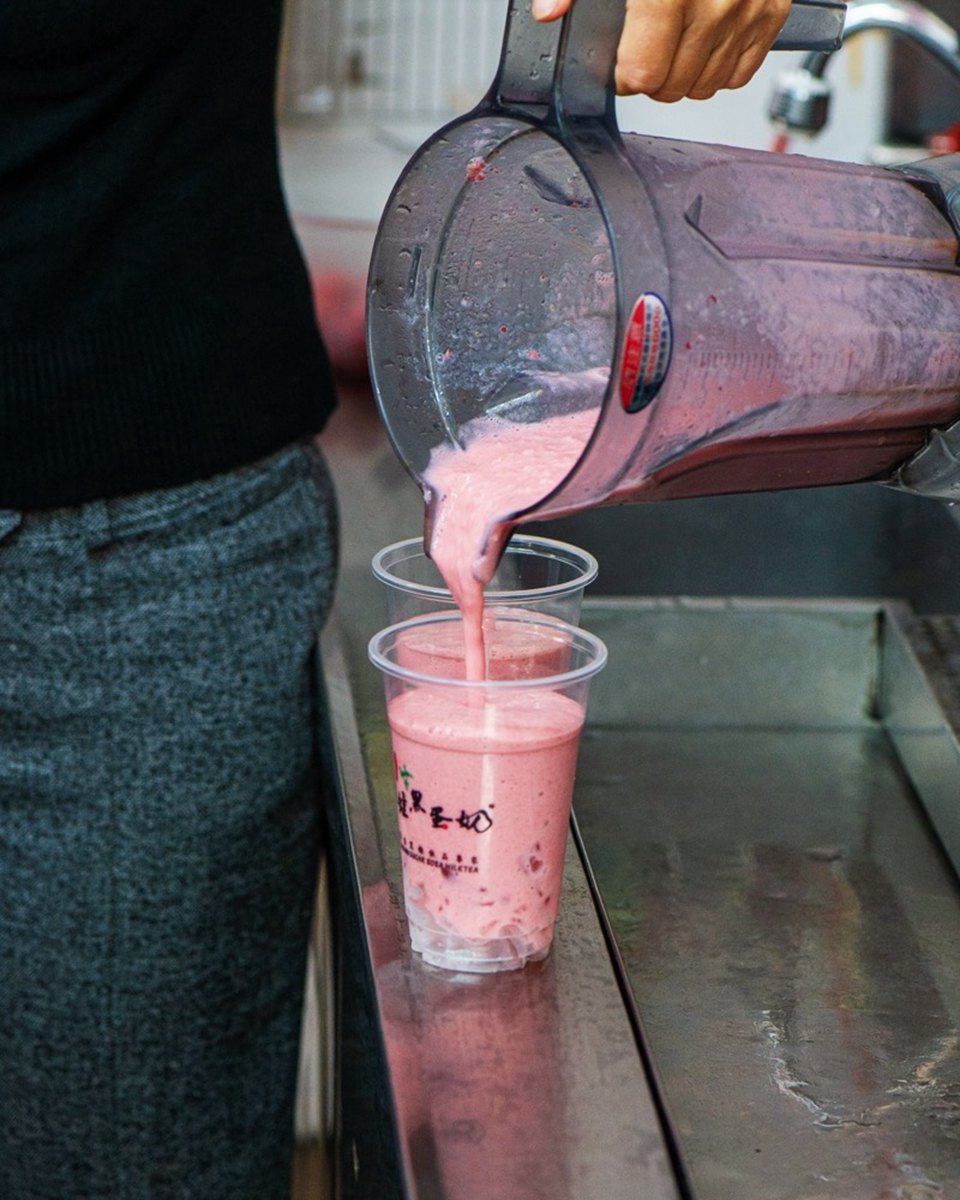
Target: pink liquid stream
[(485, 780), (475, 492)]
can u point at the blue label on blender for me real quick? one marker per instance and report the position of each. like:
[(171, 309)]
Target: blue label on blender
[(646, 352)]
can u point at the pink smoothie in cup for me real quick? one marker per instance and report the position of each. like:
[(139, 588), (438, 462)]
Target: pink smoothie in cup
[(483, 794), (484, 774)]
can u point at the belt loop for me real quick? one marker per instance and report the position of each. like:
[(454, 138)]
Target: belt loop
[(95, 524), (9, 521)]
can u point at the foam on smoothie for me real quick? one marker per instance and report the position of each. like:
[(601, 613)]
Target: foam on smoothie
[(437, 649), (475, 492)]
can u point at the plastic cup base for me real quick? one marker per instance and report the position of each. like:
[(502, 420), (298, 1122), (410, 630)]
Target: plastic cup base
[(479, 956)]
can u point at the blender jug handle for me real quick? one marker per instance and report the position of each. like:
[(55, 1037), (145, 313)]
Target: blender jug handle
[(813, 25), (567, 67)]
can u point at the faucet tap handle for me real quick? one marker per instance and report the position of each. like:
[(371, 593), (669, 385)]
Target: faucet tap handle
[(813, 25)]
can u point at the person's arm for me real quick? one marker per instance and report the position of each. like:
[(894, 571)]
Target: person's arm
[(676, 48)]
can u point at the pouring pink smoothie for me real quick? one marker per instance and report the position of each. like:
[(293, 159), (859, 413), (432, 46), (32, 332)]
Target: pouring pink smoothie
[(484, 773), (503, 468)]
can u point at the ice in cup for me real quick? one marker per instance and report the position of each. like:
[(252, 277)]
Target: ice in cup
[(535, 574), (484, 776)]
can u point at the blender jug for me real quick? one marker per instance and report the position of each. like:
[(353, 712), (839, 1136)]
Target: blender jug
[(734, 320)]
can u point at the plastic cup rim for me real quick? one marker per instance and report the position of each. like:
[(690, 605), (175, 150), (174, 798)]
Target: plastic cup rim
[(580, 675), (586, 577)]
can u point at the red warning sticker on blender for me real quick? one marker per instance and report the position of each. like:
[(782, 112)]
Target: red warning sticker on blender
[(646, 352)]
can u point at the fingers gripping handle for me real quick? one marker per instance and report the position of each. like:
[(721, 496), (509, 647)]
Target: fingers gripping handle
[(569, 65)]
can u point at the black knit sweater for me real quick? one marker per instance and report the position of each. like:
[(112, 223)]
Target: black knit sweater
[(156, 323)]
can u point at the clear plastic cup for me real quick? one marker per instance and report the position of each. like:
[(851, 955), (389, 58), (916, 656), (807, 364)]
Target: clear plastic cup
[(484, 776), (536, 574)]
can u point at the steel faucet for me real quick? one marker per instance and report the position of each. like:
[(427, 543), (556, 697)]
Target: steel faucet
[(801, 100)]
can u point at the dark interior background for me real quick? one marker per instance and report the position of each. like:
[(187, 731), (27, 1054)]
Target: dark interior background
[(924, 97), (862, 540)]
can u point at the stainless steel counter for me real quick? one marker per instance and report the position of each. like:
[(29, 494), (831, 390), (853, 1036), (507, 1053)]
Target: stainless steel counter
[(787, 921), (775, 1011)]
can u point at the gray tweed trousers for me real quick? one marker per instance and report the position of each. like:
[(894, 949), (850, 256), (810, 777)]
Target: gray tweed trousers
[(159, 833)]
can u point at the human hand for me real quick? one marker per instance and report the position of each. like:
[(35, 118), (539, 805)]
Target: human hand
[(676, 48)]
